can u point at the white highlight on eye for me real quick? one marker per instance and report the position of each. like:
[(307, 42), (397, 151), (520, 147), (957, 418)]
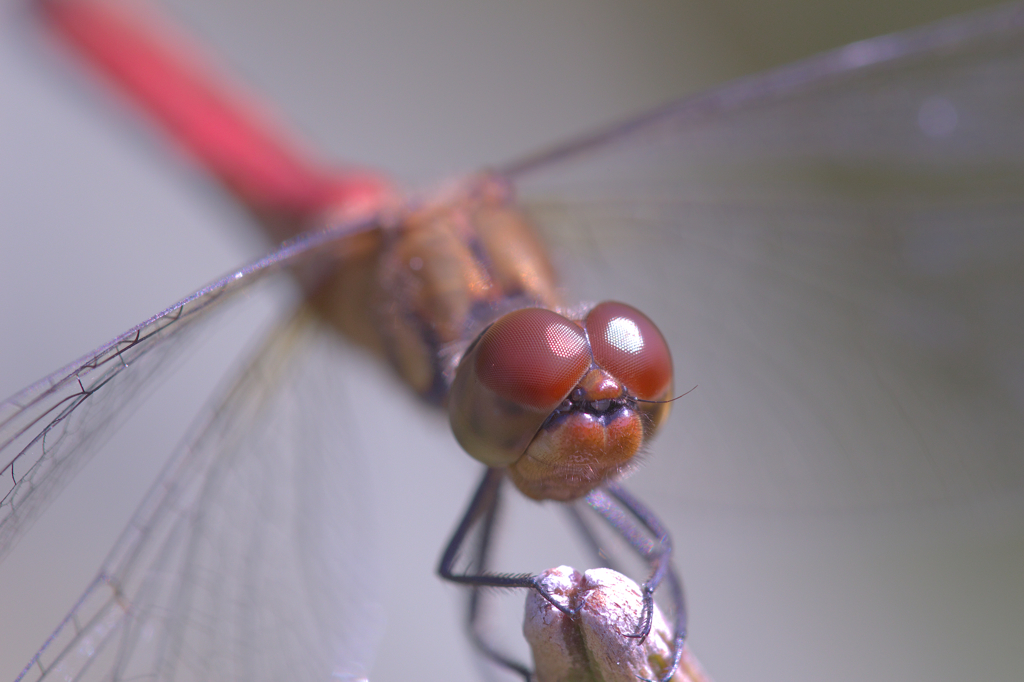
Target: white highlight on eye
[(563, 340), (937, 117), (625, 335)]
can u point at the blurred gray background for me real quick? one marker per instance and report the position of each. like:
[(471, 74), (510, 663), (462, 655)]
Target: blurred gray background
[(101, 227)]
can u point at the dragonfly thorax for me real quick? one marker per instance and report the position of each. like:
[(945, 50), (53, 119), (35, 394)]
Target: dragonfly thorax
[(419, 289)]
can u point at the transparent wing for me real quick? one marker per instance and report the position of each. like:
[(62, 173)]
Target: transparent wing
[(246, 560), (835, 253), (48, 430)]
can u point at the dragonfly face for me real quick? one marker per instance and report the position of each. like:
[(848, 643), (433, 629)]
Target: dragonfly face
[(564, 404), (794, 563)]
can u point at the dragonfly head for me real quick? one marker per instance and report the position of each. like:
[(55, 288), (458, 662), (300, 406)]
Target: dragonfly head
[(563, 404)]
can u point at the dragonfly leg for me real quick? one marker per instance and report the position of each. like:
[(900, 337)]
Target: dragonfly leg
[(584, 529), (624, 513), (483, 509), (628, 516)]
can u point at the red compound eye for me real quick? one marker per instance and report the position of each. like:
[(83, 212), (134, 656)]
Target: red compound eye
[(532, 357), (628, 345)]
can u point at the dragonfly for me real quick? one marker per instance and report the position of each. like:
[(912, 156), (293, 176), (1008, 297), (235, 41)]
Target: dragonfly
[(655, 200)]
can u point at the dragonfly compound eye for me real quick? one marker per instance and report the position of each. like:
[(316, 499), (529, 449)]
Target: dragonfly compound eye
[(533, 357), (631, 348), (522, 368)]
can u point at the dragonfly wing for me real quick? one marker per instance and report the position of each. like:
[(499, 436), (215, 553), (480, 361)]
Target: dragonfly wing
[(834, 251), (244, 561), (48, 430)]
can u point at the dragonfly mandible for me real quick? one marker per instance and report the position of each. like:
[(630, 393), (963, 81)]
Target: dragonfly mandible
[(653, 464)]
